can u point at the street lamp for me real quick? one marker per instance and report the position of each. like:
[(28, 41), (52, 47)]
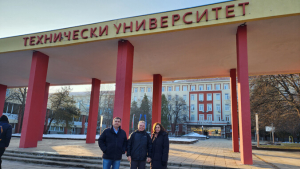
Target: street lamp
[(202, 130)]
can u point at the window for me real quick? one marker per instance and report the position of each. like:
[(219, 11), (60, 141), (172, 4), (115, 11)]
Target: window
[(201, 117), (141, 98), (226, 96), (209, 117), (218, 107), (169, 88), (192, 97), (201, 87), (52, 128), (227, 118), (192, 107), (193, 88), (142, 89), (201, 97), (135, 99), (217, 96), (227, 107), (135, 90), (208, 87), (169, 97), (209, 107), (163, 89), (218, 86), (176, 97), (170, 107), (184, 97), (61, 129), (148, 89), (184, 88), (193, 117), (177, 88), (218, 117), (201, 107), (209, 97), (226, 86)]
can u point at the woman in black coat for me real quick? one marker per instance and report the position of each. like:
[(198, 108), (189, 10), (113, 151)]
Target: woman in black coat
[(160, 147)]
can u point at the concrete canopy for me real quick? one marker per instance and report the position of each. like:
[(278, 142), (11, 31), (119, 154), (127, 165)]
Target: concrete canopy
[(195, 52)]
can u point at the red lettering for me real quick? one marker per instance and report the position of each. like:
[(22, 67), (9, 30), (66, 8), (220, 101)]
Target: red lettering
[(68, 35), (46, 38), (81, 33), (138, 26), (31, 40), (105, 29), (244, 6), (183, 18), (217, 9), (25, 41), (92, 32), (126, 27), (118, 28), (175, 19), (228, 11), (39, 39), (56, 37), (75, 34), (204, 13), (152, 23), (162, 21)]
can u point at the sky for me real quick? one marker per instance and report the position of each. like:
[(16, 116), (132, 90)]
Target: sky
[(19, 17)]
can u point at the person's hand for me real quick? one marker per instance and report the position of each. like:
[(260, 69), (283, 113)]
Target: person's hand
[(148, 159), (163, 163), (129, 158)]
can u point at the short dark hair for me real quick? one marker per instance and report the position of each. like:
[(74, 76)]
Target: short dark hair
[(117, 118), (160, 125)]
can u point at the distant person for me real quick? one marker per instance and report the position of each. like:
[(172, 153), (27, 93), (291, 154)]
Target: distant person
[(5, 135), (113, 143), (139, 147), (160, 147)]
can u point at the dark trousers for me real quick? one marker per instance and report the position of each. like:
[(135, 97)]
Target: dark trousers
[(2, 149), (137, 164)]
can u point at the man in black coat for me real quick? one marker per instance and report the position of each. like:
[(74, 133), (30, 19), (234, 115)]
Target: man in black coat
[(139, 147), (5, 135), (113, 143)]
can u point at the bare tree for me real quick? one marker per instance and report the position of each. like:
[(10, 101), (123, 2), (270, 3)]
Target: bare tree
[(178, 111)]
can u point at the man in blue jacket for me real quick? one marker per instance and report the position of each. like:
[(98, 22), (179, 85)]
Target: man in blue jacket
[(5, 135), (113, 143), (139, 147)]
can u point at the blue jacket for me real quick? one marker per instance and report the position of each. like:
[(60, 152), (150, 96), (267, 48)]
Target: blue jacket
[(113, 145), (5, 135)]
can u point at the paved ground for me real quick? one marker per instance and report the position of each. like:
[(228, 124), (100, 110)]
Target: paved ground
[(14, 165), (211, 152)]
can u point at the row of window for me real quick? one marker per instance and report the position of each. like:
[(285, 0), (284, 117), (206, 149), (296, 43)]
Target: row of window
[(209, 96), (53, 128), (209, 107), (209, 117), (141, 98), (184, 88)]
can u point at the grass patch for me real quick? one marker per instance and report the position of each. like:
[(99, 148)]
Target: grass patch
[(283, 146)]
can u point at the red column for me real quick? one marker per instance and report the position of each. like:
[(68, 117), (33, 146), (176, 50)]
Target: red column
[(93, 113), (156, 99), (2, 97), (124, 83), (82, 124), (243, 95), (234, 116), (34, 100), (43, 112)]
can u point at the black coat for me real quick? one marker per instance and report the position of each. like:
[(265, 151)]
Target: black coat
[(5, 135), (139, 146), (160, 150), (113, 145)]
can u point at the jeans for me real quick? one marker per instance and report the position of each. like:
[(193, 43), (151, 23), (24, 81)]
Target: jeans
[(107, 163)]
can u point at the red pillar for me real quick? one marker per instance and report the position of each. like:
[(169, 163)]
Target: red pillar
[(124, 83), (156, 99), (234, 116), (43, 112), (243, 96), (34, 100), (2, 97), (93, 113), (82, 124)]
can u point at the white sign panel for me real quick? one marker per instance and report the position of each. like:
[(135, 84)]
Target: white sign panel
[(269, 128)]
